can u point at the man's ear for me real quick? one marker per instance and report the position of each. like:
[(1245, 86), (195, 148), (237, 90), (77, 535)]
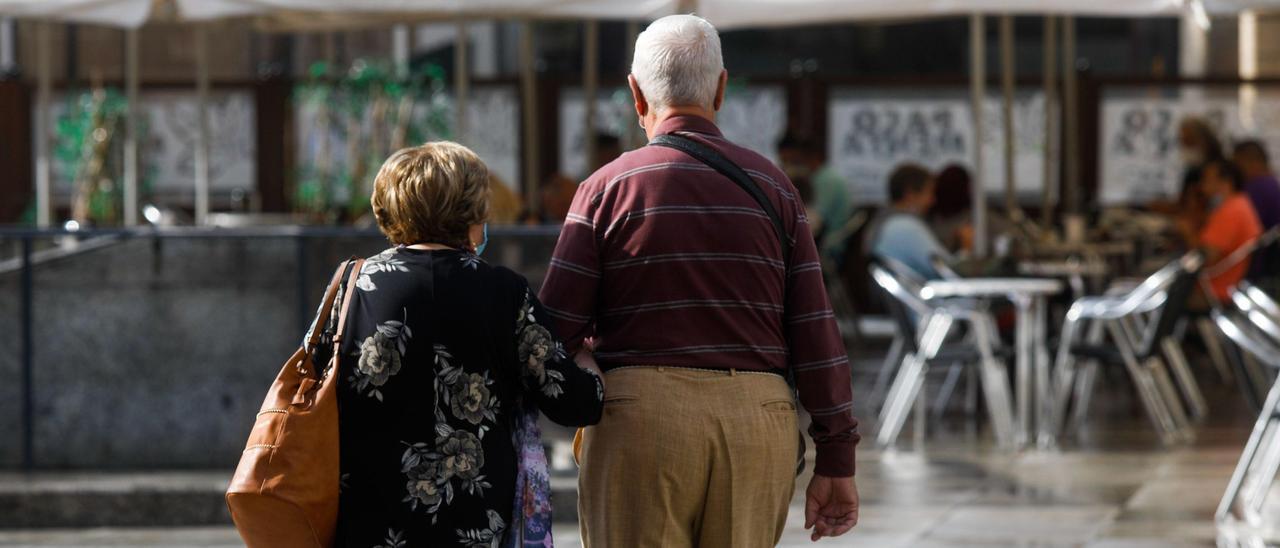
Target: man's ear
[(724, 83), (642, 105)]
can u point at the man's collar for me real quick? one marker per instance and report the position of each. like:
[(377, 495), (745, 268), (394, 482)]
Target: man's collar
[(688, 122)]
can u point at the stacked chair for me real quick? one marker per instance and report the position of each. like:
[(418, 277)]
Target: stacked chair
[(1237, 362), (926, 325), (1134, 328), (1252, 321)]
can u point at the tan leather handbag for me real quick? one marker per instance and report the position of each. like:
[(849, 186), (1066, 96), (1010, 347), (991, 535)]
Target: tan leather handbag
[(285, 490)]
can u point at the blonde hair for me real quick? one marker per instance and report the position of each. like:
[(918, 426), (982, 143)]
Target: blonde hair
[(431, 193)]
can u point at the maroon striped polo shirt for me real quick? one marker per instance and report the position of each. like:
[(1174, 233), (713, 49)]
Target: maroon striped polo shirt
[(664, 261)]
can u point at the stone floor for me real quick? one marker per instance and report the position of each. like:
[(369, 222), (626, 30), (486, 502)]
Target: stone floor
[(1110, 486), (946, 497)]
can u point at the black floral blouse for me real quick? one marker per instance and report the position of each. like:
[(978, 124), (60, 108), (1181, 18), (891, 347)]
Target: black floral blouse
[(440, 350)]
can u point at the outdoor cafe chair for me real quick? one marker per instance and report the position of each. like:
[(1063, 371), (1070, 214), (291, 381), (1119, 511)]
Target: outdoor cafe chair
[(928, 323), (1243, 366), (1252, 327), (904, 320), (1140, 343)]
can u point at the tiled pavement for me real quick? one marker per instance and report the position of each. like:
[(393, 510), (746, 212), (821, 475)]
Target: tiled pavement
[(1112, 487)]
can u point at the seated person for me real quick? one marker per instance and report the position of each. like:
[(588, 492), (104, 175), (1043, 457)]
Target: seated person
[(900, 232), (952, 215), (1231, 223), (828, 204), (1260, 184), (1264, 193)]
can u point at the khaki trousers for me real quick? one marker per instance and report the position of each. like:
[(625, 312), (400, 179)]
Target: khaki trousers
[(687, 457)]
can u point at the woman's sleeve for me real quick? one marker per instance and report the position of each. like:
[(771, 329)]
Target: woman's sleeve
[(566, 393)]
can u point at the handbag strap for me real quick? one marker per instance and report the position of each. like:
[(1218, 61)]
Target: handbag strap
[(726, 167), (357, 265), (730, 170), (326, 307)]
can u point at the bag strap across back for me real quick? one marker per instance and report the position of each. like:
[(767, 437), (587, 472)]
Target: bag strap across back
[(730, 170), (726, 167)]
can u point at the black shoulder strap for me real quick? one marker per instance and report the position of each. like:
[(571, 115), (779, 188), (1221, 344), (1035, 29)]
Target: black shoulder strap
[(716, 161)]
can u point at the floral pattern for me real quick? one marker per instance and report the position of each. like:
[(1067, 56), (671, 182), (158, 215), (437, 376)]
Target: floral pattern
[(395, 539), (435, 398), (470, 260), (531, 516), (536, 347), (469, 398), (387, 261), (455, 458), (490, 537), (380, 357), (454, 461)]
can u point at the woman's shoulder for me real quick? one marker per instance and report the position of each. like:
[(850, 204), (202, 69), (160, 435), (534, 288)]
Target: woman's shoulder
[(495, 278)]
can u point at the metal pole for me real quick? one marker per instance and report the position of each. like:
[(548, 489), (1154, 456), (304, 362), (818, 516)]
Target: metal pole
[(1007, 84), (8, 46), (529, 113), (44, 127), (590, 86), (28, 358), (978, 92), (634, 137), (1050, 126), (1071, 125), (1248, 45), (131, 128), (461, 81), (202, 115), (400, 49)]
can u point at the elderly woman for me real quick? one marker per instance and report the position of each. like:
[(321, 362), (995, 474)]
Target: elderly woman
[(441, 354)]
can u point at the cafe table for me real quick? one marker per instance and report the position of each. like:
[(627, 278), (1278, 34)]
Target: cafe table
[(1032, 391)]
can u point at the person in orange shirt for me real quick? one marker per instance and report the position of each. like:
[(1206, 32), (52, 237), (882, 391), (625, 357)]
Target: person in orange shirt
[(1232, 223)]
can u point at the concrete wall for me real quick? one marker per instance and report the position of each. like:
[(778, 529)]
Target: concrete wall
[(156, 353)]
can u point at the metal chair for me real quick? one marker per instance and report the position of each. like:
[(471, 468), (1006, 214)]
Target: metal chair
[(1232, 363), (1138, 342), (927, 324), (1258, 307), (1256, 470), (943, 268)]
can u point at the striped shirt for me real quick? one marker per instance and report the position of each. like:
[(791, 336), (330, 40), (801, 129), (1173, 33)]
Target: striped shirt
[(663, 261)]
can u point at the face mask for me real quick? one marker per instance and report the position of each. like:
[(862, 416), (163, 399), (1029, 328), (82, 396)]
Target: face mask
[(1191, 156), (484, 243)]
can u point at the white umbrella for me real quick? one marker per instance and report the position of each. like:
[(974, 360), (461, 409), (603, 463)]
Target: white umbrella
[(338, 12), (116, 13), (728, 14)]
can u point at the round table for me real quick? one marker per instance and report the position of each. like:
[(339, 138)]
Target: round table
[(1029, 296)]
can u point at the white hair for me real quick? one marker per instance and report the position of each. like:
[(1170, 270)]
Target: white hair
[(678, 63)]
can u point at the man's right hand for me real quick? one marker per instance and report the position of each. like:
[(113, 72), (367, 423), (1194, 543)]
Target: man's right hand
[(830, 506)]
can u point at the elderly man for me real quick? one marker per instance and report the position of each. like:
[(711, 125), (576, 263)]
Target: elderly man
[(672, 270)]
